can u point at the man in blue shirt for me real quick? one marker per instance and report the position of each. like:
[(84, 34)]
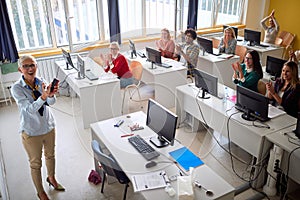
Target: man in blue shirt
[(37, 125)]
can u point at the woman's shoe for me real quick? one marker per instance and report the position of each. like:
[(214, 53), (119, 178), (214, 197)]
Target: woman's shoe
[(59, 186)]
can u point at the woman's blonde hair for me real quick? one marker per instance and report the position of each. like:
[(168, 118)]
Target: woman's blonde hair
[(231, 30), (167, 31)]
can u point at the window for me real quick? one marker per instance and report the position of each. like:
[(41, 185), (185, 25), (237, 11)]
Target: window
[(218, 12), (40, 24)]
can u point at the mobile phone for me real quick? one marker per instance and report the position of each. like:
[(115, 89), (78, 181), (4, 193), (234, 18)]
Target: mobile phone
[(54, 83)]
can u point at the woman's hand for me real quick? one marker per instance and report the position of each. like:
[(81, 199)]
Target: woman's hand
[(270, 88)]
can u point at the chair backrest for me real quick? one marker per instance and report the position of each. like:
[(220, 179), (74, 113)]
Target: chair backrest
[(109, 165), (216, 43), (287, 38), (240, 51), (136, 69), (261, 87), (278, 41)]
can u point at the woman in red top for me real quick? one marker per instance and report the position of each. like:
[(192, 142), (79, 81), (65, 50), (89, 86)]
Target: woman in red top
[(117, 64)]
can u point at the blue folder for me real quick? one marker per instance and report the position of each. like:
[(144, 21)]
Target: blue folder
[(186, 158)]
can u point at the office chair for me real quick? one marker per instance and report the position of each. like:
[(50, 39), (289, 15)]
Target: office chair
[(136, 69), (241, 52), (110, 167), (261, 87), (287, 42), (216, 43)]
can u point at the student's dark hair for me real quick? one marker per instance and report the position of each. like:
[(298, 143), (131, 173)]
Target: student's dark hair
[(256, 63), (192, 32)]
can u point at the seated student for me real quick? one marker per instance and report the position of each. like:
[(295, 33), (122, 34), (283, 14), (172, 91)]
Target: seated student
[(248, 73), (188, 51), (294, 56), (166, 45), (272, 30), (118, 64), (228, 42), (286, 90)]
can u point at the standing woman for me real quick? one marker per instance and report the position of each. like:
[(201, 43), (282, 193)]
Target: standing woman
[(248, 73), (286, 91), (272, 30), (37, 127), (117, 64), (228, 42), (166, 45)]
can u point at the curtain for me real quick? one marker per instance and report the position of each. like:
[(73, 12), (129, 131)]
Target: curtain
[(114, 20), (8, 50), (192, 14)]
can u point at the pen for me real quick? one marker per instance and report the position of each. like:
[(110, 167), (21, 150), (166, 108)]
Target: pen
[(127, 135)]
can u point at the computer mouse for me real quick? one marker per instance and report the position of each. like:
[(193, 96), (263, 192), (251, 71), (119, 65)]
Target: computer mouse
[(150, 164)]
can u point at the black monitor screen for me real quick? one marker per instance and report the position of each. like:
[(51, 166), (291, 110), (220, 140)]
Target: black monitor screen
[(297, 131), (235, 29), (206, 44), (274, 66), (206, 82), (68, 58), (253, 104), (162, 122), (132, 48), (252, 36), (153, 55)]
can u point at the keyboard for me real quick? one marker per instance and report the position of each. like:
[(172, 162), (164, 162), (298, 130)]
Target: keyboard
[(90, 75), (165, 65), (143, 147), (142, 55), (263, 45)]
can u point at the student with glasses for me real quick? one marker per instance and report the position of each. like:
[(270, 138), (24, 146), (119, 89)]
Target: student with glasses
[(117, 64), (248, 73), (37, 126)]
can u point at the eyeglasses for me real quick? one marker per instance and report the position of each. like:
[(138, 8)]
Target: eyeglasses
[(114, 49), (247, 58), (29, 66)]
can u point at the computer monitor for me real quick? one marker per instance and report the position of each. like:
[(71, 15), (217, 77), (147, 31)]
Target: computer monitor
[(274, 66), (206, 44), (297, 130), (132, 48), (68, 59), (235, 29), (206, 82), (163, 122), (252, 36), (253, 104), (80, 67), (153, 56)]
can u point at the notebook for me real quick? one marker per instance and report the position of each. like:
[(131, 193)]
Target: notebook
[(185, 158)]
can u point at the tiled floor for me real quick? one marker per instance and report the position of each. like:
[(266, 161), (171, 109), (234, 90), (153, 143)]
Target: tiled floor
[(75, 159)]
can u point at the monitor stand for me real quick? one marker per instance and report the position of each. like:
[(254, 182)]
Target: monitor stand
[(68, 67), (247, 116), (203, 95), (152, 66), (133, 53), (79, 77), (159, 143)]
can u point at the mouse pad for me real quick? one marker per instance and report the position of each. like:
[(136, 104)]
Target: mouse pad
[(186, 158)]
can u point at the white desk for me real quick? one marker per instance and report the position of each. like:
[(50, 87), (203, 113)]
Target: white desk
[(242, 133), (282, 141), (99, 99), (272, 50), (164, 80), (133, 163), (218, 66)]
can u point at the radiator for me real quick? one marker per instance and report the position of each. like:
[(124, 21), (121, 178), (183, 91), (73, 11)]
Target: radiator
[(47, 68)]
